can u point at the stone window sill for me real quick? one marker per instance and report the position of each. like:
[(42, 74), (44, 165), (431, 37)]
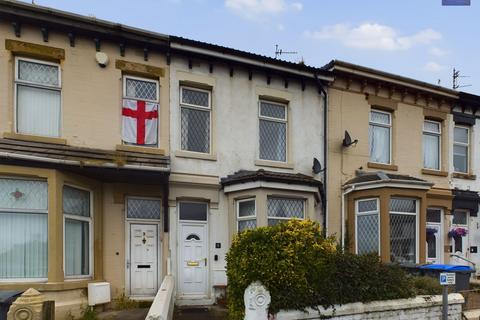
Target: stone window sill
[(195, 155), (435, 172), (465, 176), (149, 150), (382, 166), (32, 138), (274, 164)]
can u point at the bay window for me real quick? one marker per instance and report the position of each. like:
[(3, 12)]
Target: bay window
[(23, 229), (461, 146), (284, 209), (38, 97), (367, 226), (403, 230), (431, 144), (380, 136), (246, 214), (78, 231), (273, 131)]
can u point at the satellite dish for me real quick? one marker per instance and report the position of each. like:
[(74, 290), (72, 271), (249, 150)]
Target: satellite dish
[(347, 140), (317, 167)]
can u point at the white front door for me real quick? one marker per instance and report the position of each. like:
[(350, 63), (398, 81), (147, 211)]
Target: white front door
[(460, 244), (143, 259), (193, 260), (434, 235)]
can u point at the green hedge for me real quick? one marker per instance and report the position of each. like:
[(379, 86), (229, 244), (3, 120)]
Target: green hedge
[(301, 268)]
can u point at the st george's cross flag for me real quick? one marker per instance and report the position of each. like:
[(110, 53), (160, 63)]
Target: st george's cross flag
[(139, 122)]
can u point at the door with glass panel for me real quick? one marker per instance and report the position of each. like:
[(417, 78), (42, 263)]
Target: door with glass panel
[(143, 246), (193, 250), (434, 235), (459, 235)]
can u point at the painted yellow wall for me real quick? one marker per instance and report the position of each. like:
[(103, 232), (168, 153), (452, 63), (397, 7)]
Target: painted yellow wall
[(91, 96)]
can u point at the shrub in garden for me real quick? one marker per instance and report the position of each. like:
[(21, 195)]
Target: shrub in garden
[(301, 268)]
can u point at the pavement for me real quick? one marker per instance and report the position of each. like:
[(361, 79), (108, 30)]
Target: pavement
[(128, 314), (200, 313)]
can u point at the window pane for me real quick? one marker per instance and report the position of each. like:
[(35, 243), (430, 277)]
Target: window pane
[(273, 140), (272, 110), (458, 244), (38, 111), (431, 151), (23, 245), (367, 205), (142, 90), (195, 130), (143, 208), (246, 208), (195, 97), (38, 73), (431, 246), (403, 238), (247, 224), (402, 205), (23, 194), (380, 117), (434, 215), (431, 126), (460, 135), (459, 217), (193, 211), (460, 158), (285, 208), (367, 233), (77, 251), (76, 201), (379, 140)]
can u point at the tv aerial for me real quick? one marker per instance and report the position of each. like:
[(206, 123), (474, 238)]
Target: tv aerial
[(279, 52), (455, 82)]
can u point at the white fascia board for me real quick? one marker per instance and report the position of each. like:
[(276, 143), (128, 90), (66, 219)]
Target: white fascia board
[(269, 185)]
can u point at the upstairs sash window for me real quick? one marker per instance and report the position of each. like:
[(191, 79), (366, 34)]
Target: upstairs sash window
[(461, 148), (380, 136), (273, 131), (38, 97), (431, 144), (195, 106)]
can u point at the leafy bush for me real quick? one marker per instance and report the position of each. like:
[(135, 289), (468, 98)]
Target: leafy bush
[(427, 286), (302, 268)]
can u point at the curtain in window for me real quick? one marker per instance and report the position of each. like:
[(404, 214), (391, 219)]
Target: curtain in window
[(23, 245), (76, 247), (431, 151), (38, 111), (379, 139)]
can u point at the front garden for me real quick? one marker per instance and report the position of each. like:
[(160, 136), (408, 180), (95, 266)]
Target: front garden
[(302, 268)]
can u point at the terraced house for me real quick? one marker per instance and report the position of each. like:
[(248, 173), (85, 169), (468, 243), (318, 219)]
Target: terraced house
[(128, 155)]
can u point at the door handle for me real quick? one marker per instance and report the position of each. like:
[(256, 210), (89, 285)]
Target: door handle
[(128, 264), (205, 262)]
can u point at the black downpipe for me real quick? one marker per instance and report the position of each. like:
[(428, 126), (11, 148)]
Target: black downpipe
[(322, 91)]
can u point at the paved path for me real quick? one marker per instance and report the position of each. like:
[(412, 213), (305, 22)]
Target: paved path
[(129, 314), (200, 313)]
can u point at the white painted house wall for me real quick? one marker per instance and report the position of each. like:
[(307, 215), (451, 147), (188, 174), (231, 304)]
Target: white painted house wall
[(235, 103), (471, 185)]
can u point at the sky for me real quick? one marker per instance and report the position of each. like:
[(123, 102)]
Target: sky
[(420, 39)]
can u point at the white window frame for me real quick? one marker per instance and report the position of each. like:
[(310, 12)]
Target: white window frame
[(436, 134), (90, 234), (39, 86), (45, 211), (124, 85), (441, 231), (367, 213), (417, 222), (285, 218), (196, 107), (272, 119), (244, 218), (389, 126), (463, 145)]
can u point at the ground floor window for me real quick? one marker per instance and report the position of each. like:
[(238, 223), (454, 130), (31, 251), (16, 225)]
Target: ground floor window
[(283, 209), (78, 220), (367, 226), (403, 230), (23, 229), (246, 214)]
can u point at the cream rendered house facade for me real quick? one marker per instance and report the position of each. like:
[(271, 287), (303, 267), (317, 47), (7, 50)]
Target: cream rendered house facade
[(244, 132)]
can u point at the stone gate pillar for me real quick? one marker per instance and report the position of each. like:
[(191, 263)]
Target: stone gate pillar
[(257, 300), (27, 307)]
